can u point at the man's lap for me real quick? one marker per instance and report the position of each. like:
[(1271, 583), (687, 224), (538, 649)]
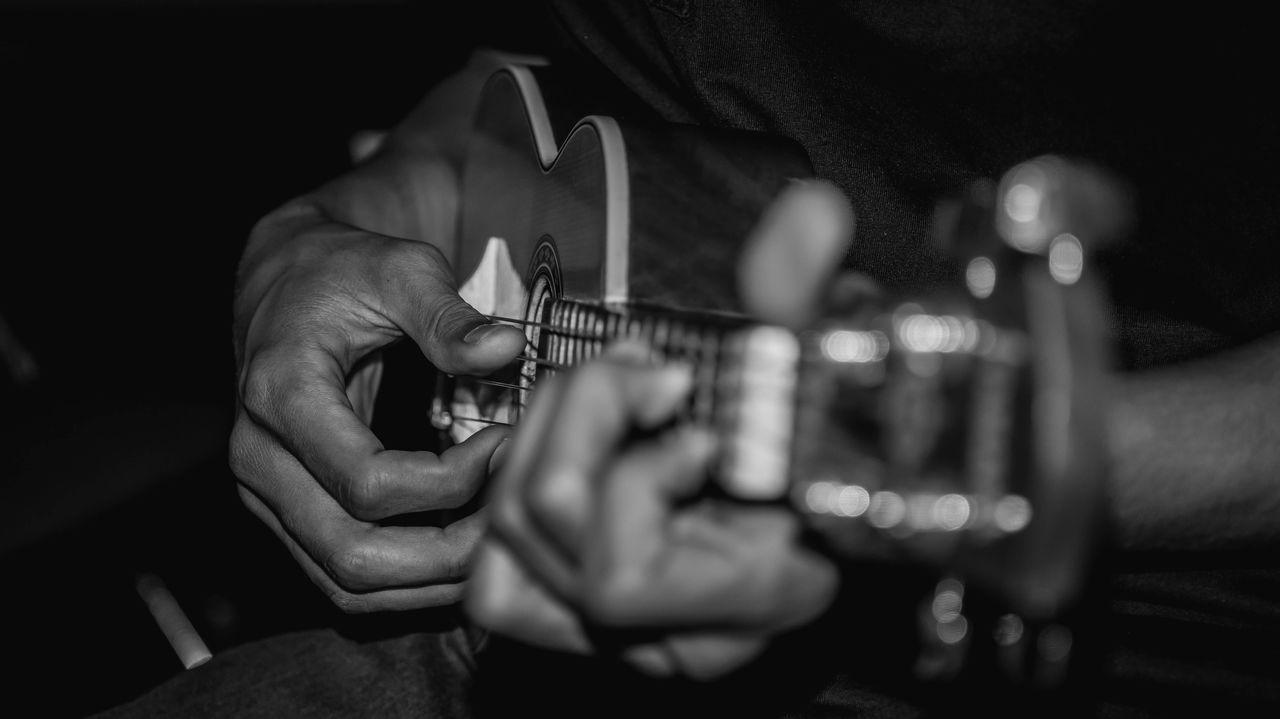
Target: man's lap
[(321, 673), (454, 674)]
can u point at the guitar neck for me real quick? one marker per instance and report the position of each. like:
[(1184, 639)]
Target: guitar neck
[(744, 377)]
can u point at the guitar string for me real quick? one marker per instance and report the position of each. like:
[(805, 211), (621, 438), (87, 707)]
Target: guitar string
[(504, 385), (543, 362), (568, 333), (579, 350), (562, 330), (673, 337), (485, 421)]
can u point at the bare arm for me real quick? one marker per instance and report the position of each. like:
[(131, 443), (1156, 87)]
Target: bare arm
[(1197, 453)]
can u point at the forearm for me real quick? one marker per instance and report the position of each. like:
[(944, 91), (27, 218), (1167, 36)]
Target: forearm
[(1196, 448)]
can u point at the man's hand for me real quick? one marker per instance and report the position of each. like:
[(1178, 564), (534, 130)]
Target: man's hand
[(597, 544), (310, 314), (324, 282)]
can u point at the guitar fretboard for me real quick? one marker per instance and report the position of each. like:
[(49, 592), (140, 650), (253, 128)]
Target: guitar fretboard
[(573, 332), (744, 377)]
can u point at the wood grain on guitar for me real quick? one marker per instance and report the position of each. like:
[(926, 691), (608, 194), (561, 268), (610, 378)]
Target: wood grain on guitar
[(959, 430)]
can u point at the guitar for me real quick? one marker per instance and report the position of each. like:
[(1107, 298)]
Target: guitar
[(958, 429)]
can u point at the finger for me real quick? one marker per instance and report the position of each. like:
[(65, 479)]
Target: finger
[(794, 251), (562, 500), (510, 515), (775, 582), (421, 297), (297, 392), (739, 567), (386, 599), (603, 403), (704, 657), (362, 386), (344, 555), (628, 534), (502, 597), (511, 520)]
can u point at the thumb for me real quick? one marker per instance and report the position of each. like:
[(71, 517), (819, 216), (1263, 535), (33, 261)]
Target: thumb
[(453, 335), (793, 253)]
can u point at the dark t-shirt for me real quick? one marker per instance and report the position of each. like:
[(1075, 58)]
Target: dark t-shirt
[(900, 102)]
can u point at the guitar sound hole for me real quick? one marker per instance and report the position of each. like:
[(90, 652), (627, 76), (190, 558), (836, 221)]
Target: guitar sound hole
[(544, 290)]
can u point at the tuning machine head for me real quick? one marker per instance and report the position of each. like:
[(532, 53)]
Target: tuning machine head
[(958, 427), (1058, 210)]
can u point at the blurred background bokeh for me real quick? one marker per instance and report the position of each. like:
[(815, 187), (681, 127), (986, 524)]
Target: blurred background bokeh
[(141, 141)]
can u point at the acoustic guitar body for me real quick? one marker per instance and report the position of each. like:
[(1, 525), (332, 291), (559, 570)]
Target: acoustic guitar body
[(611, 212)]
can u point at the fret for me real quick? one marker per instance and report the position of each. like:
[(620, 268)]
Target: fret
[(562, 353), (575, 326), (576, 332), (706, 372), (660, 338), (612, 326), (744, 377), (570, 350)]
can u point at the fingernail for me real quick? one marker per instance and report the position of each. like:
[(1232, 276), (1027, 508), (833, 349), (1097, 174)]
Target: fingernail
[(477, 334)]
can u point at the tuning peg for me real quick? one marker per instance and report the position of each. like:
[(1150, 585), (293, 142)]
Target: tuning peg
[(1048, 197), (945, 635)]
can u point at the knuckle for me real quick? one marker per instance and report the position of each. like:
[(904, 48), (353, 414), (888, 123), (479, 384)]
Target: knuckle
[(430, 256), (414, 264), (342, 257), (453, 494), (422, 260), (506, 515), (348, 603), (364, 495), (560, 498), (456, 565), (450, 315), (454, 484), (352, 568), (242, 456), (259, 389)]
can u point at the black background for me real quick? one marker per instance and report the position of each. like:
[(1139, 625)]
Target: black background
[(141, 141)]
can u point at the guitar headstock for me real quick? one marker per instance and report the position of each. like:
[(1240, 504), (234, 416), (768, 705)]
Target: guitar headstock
[(961, 429)]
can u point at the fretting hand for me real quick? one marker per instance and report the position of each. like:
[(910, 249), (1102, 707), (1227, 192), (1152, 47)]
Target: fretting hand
[(595, 544)]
